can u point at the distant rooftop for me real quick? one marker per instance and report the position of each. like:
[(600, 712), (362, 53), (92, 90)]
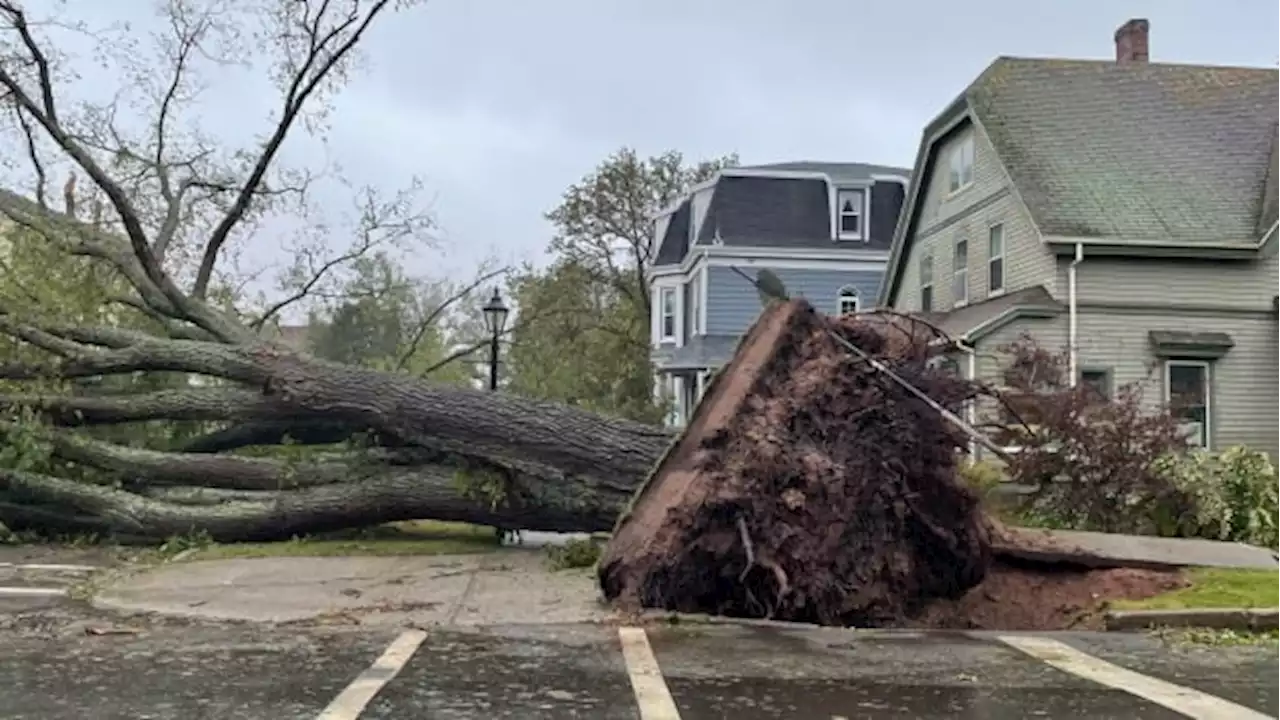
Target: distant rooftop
[(838, 172)]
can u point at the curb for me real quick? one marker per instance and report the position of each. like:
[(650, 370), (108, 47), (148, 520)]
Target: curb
[(1242, 619), (666, 617)]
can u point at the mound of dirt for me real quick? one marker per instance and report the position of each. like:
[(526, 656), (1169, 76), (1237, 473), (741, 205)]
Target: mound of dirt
[(808, 486), (1045, 597)]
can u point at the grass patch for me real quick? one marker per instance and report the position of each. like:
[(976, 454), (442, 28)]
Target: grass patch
[(574, 554), (1216, 588), (1217, 638), (416, 537)]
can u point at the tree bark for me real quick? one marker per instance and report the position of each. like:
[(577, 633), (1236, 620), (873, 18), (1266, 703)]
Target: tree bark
[(396, 493)]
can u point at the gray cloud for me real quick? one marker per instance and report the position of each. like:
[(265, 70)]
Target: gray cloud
[(500, 104)]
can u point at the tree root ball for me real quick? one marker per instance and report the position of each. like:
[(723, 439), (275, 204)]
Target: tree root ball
[(808, 486)]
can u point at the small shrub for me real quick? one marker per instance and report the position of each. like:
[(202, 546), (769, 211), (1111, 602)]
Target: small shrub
[(1227, 496), (576, 553), (981, 475), (1092, 459)]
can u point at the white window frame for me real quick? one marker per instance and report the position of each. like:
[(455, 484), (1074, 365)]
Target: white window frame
[(956, 178), (926, 261), (848, 300), (1207, 368), (860, 213), (994, 231), (960, 273), (665, 314)]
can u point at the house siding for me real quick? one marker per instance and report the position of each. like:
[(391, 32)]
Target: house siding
[(1240, 285), (944, 219), (733, 303), (1243, 391)]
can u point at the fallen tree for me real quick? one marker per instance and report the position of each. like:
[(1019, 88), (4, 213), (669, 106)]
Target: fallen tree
[(158, 347), (451, 453)]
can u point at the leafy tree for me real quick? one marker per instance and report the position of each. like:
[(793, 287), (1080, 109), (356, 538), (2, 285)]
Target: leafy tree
[(580, 347), (585, 338), (383, 318)]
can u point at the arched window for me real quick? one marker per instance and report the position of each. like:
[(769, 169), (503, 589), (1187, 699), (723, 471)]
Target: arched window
[(848, 302)]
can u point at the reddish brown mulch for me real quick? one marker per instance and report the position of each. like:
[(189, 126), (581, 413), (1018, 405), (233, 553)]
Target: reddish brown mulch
[(1045, 597)]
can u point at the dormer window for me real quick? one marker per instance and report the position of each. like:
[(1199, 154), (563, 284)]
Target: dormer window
[(849, 204), (848, 302)]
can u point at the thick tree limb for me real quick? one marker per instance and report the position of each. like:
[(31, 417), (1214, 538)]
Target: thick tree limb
[(207, 403), (188, 495), (400, 494), (425, 413), (271, 432)]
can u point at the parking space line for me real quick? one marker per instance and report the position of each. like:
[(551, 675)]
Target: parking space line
[(1184, 700), (652, 695), (52, 567), (353, 699), (32, 592)]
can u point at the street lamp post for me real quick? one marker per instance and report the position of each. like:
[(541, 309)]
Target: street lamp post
[(495, 319)]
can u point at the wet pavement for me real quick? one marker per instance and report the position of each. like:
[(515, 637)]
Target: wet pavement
[(171, 669)]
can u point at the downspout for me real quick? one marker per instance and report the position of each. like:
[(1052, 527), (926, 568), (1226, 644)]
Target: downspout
[(970, 411), (1073, 353)]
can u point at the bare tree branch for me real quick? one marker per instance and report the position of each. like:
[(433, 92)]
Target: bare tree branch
[(426, 323), (46, 115), (313, 71)]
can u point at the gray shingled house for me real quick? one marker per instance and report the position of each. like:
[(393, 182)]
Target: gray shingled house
[(823, 228), (1122, 210)]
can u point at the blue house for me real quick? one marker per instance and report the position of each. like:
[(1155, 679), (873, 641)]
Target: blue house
[(824, 229)]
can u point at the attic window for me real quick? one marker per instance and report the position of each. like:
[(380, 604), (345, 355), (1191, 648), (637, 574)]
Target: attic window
[(961, 175), (850, 205)]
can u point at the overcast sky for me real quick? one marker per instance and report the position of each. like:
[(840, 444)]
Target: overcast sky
[(500, 104)]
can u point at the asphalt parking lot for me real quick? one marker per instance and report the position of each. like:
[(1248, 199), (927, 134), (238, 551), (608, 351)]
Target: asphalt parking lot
[(181, 671)]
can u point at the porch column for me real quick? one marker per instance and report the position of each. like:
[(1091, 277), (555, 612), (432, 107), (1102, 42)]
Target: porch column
[(681, 411)]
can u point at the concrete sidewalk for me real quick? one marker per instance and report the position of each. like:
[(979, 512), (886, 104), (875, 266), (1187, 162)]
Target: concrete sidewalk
[(511, 586)]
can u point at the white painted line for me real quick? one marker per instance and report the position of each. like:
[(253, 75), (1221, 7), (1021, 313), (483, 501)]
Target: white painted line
[(32, 592), (1184, 700), (353, 699), (652, 694), (55, 567)]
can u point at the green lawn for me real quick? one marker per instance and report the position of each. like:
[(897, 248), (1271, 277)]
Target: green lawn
[(1216, 588), (417, 537)]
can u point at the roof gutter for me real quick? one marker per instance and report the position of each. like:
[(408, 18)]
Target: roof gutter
[(1120, 248), (970, 407)]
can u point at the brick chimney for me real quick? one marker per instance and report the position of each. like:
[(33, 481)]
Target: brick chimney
[(1132, 42)]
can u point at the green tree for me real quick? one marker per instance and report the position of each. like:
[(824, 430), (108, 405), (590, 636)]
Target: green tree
[(585, 336), (576, 343), (385, 319)]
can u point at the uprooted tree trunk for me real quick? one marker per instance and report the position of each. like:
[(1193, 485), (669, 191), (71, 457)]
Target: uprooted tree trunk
[(809, 485), (442, 452)]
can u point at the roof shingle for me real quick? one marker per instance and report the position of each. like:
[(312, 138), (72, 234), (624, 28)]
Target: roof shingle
[(1140, 152)]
